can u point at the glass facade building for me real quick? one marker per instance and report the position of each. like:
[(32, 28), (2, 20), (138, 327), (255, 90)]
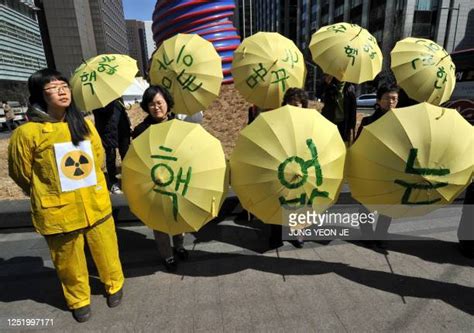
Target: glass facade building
[(22, 52)]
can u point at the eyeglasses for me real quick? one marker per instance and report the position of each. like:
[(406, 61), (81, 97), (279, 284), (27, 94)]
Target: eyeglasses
[(157, 104), (56, 89)]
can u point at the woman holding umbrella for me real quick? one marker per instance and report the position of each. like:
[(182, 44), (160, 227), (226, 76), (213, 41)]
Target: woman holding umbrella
[(56, 159), (157, 102)]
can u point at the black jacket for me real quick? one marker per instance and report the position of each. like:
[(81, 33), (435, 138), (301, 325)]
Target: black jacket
[(112, 123), (147, 122), (350, 106), (370, 119)]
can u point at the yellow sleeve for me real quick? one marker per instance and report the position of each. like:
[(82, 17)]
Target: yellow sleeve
[(96, 142), (20, 159)]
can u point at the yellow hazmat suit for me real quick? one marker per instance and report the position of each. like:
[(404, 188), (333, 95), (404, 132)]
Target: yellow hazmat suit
[(70, 218)]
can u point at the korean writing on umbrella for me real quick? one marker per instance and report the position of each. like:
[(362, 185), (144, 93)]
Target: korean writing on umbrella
[(184, 79), (106, 64), (163, 175), (279, 75), (301, 177), (428, 59), (428, 186)]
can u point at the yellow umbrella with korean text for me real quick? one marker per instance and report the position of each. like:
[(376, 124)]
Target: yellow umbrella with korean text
[(191, 69), (412, 161), (102, 79), (347, 52), (424, 70), (174, 177), (287, 158), (265, 65)]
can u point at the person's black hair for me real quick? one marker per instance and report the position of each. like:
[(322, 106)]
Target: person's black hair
[(295, 95), (151, 92), (74, 118), (387, 88)]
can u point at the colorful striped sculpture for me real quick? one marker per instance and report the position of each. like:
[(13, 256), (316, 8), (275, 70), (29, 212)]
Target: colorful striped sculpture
[(209, 19)]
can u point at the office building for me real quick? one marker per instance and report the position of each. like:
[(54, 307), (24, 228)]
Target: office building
[(137, 44)]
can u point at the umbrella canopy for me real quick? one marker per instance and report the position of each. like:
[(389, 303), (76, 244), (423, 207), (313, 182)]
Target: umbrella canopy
[(174, 177), (412, 160), (102, 79), (424, 70), (265, 65), (347, 52), (287, 158), (190, 68)]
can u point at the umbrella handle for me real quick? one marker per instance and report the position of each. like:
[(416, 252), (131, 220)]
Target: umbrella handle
[(213, 207)]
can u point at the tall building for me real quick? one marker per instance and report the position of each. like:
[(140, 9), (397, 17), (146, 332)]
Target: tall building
[(449, 23), (109, 26), (277, 16), (137, 44), (150, 43), (75, 30), (21, 52), (243, 18)]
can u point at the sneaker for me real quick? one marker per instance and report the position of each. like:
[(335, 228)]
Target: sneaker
[(170, 264), (82, 314), (182, 253), (115, 189), (115, 299), (298, 243)]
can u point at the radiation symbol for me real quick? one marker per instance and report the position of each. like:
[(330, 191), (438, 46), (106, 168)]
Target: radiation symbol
[(76, 165)]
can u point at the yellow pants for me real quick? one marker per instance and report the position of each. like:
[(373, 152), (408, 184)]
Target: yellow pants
[(67, 253)]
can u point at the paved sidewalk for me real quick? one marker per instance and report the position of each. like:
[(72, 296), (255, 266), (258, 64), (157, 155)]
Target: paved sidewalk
[(231, 284)]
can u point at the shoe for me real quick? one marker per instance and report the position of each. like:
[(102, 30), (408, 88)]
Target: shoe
[(170, 264), (298, 243), (82, 314), (182, 253), (275, 243), (115, 299), (115, 189)]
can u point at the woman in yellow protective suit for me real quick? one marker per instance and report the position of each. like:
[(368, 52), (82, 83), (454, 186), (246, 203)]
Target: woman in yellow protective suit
[(56, 159)]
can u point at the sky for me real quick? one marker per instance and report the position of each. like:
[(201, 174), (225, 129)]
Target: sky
[(138, 9)]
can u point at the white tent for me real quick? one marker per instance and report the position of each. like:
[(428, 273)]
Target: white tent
[(135, 91)]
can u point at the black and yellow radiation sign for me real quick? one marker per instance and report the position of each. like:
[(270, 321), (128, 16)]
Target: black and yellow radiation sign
[(76, 165)]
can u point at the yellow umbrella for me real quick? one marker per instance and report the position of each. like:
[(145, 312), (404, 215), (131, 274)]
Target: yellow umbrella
[(424, 70), (412, 160), (287, 157), (101, 79), (190, 68), (265, 65), (347, 52), (175, 177)]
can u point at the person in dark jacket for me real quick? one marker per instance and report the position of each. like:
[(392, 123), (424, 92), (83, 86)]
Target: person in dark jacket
[(157, 102), (387, 99), (114, 128), (340, 106)]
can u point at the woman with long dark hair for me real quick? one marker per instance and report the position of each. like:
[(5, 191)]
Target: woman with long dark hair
[(56, 159)]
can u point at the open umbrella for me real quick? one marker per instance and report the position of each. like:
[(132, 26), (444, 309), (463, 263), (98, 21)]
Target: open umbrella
[(265, 65), (287, 158), (174, 177), (347, 52), (102, 79), (412, 160), (190, 68), (424, 70)]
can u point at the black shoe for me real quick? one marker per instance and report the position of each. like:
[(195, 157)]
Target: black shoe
[(273, 244), (82, 314), (115, 299), (298, 243), (170, 264), (182, 253), (467, 248)]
